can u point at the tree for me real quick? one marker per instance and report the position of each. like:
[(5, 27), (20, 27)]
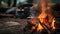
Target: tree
[(9, 3), (14, 4), (0, 2)]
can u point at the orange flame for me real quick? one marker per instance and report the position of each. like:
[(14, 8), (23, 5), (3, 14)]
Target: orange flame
[(52, 25), (42, 16), (45, 9)]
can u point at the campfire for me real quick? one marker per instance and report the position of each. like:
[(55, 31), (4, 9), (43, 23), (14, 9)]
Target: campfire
[(45, 20), (46, 17)]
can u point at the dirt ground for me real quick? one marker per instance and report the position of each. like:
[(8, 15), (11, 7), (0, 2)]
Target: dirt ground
[(12, 25)]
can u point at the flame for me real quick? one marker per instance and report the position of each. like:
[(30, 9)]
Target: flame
[(42, 16), (39, 27), (52, 25), (45, 12)]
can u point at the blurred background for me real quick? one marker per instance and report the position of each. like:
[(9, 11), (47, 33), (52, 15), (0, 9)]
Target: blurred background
[(21, 6), (14, 14), (12, 3)]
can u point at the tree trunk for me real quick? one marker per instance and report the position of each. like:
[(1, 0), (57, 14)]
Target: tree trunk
[(9, 3), (14, 4), (0, 3)]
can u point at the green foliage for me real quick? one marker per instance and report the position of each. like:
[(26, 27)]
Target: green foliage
[(30, 1), (4, 0)]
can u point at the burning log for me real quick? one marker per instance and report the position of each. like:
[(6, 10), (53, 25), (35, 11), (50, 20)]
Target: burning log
[(34, 30), (49, 30)]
